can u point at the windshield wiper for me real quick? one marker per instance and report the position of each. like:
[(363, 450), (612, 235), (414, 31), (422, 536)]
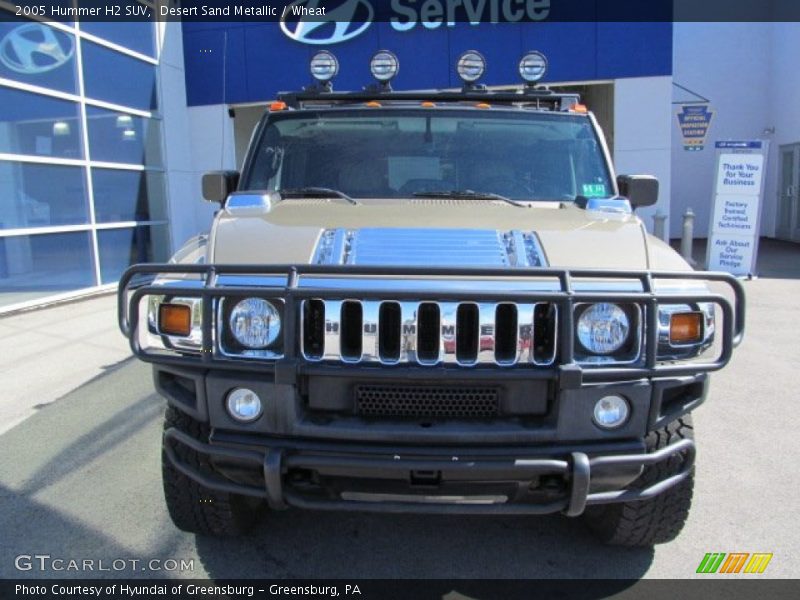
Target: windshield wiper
[(467, 195), (315, 192)]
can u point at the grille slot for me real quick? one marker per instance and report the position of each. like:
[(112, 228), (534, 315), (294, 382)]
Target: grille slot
[(416, 401), (467, 333), (544, 332), (352, 324), (314, 328), (505, 334), (428, 332), (389, 332)]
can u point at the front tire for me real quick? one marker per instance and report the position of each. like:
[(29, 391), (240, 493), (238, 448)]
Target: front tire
[(193, 507), (659, 519)]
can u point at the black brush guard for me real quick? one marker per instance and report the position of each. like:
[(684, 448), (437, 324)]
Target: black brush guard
[(293, 363), (575, 466)]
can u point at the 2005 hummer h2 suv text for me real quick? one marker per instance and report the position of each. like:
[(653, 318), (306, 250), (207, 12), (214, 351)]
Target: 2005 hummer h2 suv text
[(436, 302)]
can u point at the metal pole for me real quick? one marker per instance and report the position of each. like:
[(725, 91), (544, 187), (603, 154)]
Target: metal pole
[(688, 236), (659, 223)]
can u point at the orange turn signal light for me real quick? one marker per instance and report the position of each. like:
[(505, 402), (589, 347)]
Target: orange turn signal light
[(276, 106), (686, 328), (428, 104), (175, 319), (483, 105), (373, 104)]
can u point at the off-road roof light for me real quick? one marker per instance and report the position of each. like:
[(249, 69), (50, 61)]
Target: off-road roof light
[(324, 66), (384, 66), (471, 66), (533, 67)]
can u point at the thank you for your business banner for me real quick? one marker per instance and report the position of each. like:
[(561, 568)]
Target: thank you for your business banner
[(736, 216)]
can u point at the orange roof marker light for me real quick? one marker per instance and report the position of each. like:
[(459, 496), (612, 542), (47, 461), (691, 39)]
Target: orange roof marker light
[(579, 108), (277, 106)]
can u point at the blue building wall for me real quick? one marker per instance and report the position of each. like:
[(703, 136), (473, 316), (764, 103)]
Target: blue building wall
[(257, 60)]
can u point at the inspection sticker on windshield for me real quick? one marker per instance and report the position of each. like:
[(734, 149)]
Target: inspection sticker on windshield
[(594, 190)]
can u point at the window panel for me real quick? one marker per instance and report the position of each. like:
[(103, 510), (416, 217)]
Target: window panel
[(37, 54), (114, 77), (33, 195), (38, 125), (128, 195), (138, 36), (35, 266), (121, 248), (122, 138)]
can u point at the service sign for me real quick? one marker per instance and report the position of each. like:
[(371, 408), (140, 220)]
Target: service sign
[(738, 195)]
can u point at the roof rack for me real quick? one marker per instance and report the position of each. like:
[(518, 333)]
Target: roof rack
[(540, 98)]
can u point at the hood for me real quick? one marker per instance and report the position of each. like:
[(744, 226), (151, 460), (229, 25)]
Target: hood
[(436, 232)]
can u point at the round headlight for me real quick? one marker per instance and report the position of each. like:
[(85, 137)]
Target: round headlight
[(324, 66), (255, 323), (533, 66), (611, 412), (471, 66), (244, 405), (603, 328), (384, 66)]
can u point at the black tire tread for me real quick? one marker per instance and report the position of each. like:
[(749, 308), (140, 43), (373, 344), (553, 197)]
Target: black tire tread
[(193, 507), (660, 519)]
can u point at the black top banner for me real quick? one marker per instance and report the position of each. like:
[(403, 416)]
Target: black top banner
[(424, 12)]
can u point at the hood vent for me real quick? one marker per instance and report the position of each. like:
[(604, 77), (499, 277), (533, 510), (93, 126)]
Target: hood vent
[(420, 247)]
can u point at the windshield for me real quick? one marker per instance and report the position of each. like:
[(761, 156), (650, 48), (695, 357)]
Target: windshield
[(398, 153)]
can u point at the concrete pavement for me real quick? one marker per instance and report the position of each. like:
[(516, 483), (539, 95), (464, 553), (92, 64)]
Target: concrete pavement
[(44, 354)]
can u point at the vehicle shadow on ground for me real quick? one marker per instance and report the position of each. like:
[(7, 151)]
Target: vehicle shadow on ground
[(297, 544)]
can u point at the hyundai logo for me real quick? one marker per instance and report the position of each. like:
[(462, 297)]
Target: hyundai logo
[(34, 48), (350, 19)]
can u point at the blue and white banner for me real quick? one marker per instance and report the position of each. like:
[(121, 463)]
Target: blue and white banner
[(736, 213)]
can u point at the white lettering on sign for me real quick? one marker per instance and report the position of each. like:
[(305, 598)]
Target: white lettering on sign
[(432, 14)]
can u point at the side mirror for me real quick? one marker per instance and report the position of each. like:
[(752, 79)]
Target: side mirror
[(641, 190), (218, 185)]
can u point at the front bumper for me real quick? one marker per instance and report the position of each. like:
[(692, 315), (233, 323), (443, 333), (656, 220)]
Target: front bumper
[(492, 469)]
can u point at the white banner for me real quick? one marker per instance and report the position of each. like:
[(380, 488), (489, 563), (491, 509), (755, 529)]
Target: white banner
[(736, 215)]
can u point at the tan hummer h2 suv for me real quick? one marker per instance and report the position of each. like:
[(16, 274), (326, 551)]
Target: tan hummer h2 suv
[(437, 302)]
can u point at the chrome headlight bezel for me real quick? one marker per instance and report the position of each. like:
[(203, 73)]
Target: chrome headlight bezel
[(630, 349)]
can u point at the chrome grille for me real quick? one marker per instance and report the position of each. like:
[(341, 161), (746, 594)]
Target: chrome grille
[(428, 333)]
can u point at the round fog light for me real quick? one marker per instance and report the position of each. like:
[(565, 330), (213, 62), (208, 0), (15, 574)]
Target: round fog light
[(611, 412), (244, 405)]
